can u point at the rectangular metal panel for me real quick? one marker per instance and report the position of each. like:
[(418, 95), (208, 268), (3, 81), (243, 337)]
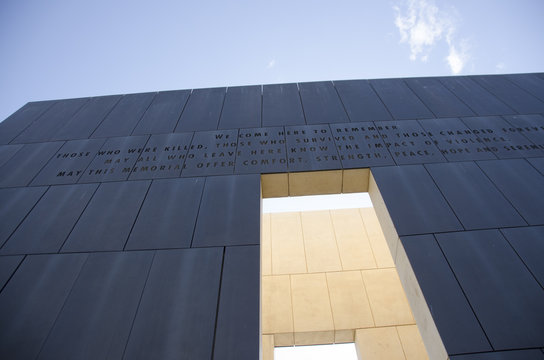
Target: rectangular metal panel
[(401, 102), (211, 153), (202, 110), (530, 126), (527, 241), (229, 212), (414, 202), (360, 145), (321, 103), (261, 150), (521, 184), (163, 114), (7, 152), (69, 163), (237, 333), (476, 201), (96, 319), (361, 101), (481, 101), (163, 157), (47, 226), (451, 312), (115, 159), (26, 163), (8, 265), (21, 119), (168, 215), (533, 354), (311, 147), (47, 125), (15, 204), (281, 105), (441, 101), (86, 120), (504, 143), (506, 298), (242, 108), (124, 117), (108, 219), (408, 143), (538, 163), (32, 300), (177, 313), (455, 140), (530, 83), (518, 99)]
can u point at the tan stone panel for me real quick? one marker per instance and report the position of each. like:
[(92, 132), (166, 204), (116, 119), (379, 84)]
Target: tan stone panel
[(312, 314), (319, 242), (387, 227), (411, 341), (349, 302), (268, 347), (275, 185), (288, 255), (381, 251), (276, 306), (388, 302), (315, 182), (352, 239), (355, 180), (266, 246), (378, 344), (344, 336)]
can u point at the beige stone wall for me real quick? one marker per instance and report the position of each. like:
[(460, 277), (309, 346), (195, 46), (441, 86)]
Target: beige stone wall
[(328, 277)]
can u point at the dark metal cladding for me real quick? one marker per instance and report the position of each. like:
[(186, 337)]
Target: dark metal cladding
[(54, 119), (475, 200), (496, 281), (177, 313), (32, 300), (163, 157), (361, 101), (202, 110), (399, 99), (404, 189), (168, 216), (19, 120), (360, 145), (163, 114), (441, 101), (229, 212), (211, 153), (47, 226), (242, 108), (108, 219), (321, 103), (69, 163), (124, 117), (451, 312), (281, 105), (261, 150), (408, 143), (311, 147)]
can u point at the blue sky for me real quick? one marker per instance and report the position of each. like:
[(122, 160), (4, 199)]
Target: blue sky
[(70, 48)]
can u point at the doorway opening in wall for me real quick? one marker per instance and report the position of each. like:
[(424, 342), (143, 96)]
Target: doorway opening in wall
[(327, 274)]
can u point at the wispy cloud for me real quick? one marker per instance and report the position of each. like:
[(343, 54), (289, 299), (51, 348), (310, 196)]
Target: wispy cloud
[(422, 25), (271, 64)]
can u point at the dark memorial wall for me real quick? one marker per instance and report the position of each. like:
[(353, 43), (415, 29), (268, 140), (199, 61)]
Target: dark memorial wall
[(131, 223)]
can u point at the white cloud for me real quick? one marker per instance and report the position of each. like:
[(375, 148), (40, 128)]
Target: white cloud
[(271, 64), (422, 25), (500, 66)]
